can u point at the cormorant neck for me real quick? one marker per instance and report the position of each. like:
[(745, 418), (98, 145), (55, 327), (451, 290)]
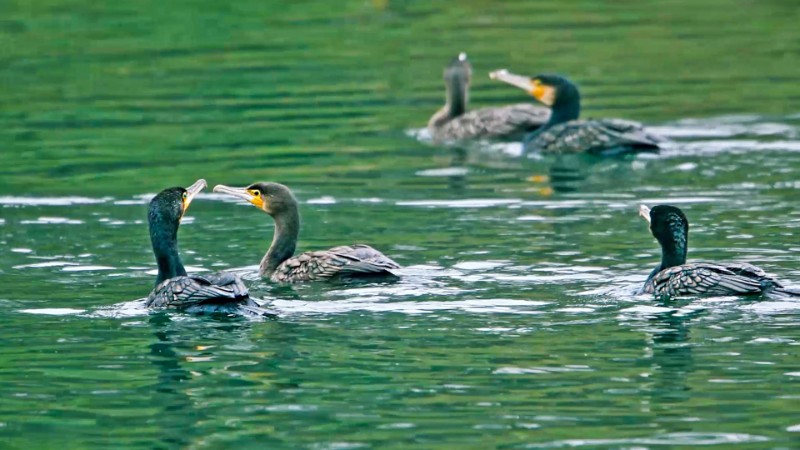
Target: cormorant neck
[(673, 253), (284, 240), (456, 103), (566, 107), (164, 238), (456, 98)]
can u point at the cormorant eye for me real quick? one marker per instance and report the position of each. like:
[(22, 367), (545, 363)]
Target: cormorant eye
[(256, 193), (184, 195)]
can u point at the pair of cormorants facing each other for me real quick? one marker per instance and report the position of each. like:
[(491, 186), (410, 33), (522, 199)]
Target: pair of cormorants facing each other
[(224, 292), (554, 129), (675, 277)]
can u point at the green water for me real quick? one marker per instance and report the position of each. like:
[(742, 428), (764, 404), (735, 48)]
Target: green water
[(515, 324)]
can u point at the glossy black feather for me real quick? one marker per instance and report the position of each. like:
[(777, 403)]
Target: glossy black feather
[(711, 279), (220, 292), (605, 137), (675, 277)]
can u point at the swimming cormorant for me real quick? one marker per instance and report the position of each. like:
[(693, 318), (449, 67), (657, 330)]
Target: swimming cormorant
[(279, 264), (454, 123), (565, 133), (220, 292), (675, 277)]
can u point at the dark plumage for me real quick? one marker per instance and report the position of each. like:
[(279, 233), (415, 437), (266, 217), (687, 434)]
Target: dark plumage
[(220, 292), (565, 133), (675, 277), (279, 265), (454, 123)]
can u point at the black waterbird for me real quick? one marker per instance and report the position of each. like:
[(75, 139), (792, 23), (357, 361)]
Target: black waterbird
[(564, 132), (220, 292)]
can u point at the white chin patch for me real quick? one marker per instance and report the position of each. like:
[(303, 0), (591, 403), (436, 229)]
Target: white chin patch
[(549, 97)]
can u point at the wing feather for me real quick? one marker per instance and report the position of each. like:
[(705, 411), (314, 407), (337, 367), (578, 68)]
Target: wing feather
[(343, 261), (605, 136), (505, 122), (193, 292), (709, 279)]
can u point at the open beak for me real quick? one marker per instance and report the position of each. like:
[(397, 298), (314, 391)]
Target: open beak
[(241, 193), (644, 211), (192, 191)]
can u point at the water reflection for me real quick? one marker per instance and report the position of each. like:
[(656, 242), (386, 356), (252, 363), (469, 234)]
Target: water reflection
[(179, 416), (672, 359), (505, 331)]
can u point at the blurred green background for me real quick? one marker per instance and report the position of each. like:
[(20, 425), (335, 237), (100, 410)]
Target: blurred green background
[(132, 96)]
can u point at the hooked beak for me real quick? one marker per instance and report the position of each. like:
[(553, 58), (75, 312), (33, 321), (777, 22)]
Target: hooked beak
[(192, 191), (644, 211), (522, 82), (543, 93), (241, 193)]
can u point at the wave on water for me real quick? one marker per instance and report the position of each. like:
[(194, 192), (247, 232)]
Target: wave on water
[(50, 201)]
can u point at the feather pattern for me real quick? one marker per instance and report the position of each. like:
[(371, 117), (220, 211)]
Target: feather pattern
[(711, 279), (506, 123), (342, 261), (214, 292), (600, 137)]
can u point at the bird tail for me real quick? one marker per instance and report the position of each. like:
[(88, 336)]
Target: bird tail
[(784, 291), (253, 309)]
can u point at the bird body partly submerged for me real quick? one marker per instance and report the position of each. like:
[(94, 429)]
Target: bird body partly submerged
[(454, 123), (606, 137), (564, 132), (675, 277), (346, 261), (701, 278), (281, 265), (220, 292), (512, 123)]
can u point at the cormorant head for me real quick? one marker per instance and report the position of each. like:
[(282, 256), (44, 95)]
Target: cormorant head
[(272, 198), (551, 90), (169, 205), (668, 225)]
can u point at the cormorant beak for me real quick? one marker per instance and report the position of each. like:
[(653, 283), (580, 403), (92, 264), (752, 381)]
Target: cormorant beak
[(242, 193), (644, 211), (542, 92), (192, 191)]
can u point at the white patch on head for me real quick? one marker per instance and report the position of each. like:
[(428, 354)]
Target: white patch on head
[(549, 96), (462, 56)]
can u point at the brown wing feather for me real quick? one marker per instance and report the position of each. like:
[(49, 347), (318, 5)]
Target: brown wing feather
[(346, 260), (506, 122)]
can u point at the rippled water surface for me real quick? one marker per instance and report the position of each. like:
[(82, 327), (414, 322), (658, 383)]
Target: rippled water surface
[(515, 324)]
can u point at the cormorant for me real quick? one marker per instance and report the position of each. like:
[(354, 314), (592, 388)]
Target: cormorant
[(565, 133), (675, 277), (220, 292), (347, 261), (454, 123)]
